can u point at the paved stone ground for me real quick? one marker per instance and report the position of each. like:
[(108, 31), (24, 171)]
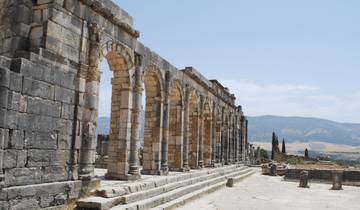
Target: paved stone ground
[(264, 192)]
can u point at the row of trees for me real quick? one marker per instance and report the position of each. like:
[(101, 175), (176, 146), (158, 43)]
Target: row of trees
[(275, 145)]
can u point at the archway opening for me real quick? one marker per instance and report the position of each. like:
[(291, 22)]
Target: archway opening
[(153, 114), (207, 117), (194, 128), (175, 150)]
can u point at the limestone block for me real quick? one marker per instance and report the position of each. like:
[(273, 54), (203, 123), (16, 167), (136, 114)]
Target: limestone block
[(64, 141), (39, 158), (22, 176), (43, 107), (16, 139), (26, 203), (16, 82), (65, 127), (91, 101), (4, 138), (337, 177), (4, 97), (54, 173), (67, 21), (4, 77), (67, 111), (38, 140), (39, 89), (17, 102), (64, 95), (304, 179)]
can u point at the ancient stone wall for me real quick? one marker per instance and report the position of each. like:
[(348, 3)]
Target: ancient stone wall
[(49, 94)]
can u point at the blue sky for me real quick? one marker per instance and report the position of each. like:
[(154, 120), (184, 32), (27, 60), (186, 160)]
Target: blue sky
[(280, 57)]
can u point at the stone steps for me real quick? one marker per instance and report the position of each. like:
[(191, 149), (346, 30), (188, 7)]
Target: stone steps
[(199, 193), (151, 193), (177, 194)]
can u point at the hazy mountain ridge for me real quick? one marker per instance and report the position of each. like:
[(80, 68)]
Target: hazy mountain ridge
[(304, 130), (293, 129)]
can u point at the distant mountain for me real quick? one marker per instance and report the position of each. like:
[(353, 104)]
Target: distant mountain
[(104, 125), (303, 129), (293, 129)]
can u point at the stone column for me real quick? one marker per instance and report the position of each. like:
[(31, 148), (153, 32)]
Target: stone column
[(201, 135), (166, 121), (134, 171), (227, 144), (236, 149), (213, 137), (91, 96), (243, 142), (4, 132), (186, 130), (246, 137), (222, 137)]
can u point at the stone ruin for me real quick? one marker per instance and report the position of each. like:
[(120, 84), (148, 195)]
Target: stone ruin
[(304, 179), (337, 177), (50, 52)]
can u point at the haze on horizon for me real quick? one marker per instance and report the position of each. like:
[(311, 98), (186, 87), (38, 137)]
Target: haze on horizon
[(285, 58)]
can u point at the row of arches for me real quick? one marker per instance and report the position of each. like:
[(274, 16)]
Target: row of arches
[(184, 127)]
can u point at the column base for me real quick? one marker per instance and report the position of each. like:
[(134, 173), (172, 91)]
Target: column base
[(125, 177), (164, 171)]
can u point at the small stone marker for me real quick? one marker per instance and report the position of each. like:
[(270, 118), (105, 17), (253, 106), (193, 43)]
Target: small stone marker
[(265, 170), (337, 177), (273, 170), (230, 182), (304, 178)]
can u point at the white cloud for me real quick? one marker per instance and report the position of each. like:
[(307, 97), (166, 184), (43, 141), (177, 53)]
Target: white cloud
[(294, 100)]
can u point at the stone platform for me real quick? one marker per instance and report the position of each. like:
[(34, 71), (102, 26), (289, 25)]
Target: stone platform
[(161, 192)]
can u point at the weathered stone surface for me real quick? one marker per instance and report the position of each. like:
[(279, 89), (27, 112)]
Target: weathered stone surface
[(16, 139), (230, 182), (337, 177), (16, 82), (38, 89), (49, 103), (37, 140), (43, 107), (39, 158), (24, 204), (304, 179), (14, 158), (22, 176)]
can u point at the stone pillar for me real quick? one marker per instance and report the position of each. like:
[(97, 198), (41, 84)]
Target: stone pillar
[(186, 130), (213, 137), (236, 149), (134, 171), (304, 179), (246, 137), (201, 135), (337, 177), (4, 133), (166, 121), (243, 142), (91, 96)]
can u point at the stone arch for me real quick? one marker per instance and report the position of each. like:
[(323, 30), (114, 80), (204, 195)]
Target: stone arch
[(153, 120), (123, 51), (121, 63), (194, 128), (176, 126), (207, 132)]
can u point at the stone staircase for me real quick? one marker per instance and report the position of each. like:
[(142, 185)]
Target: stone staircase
[(163, 193)]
